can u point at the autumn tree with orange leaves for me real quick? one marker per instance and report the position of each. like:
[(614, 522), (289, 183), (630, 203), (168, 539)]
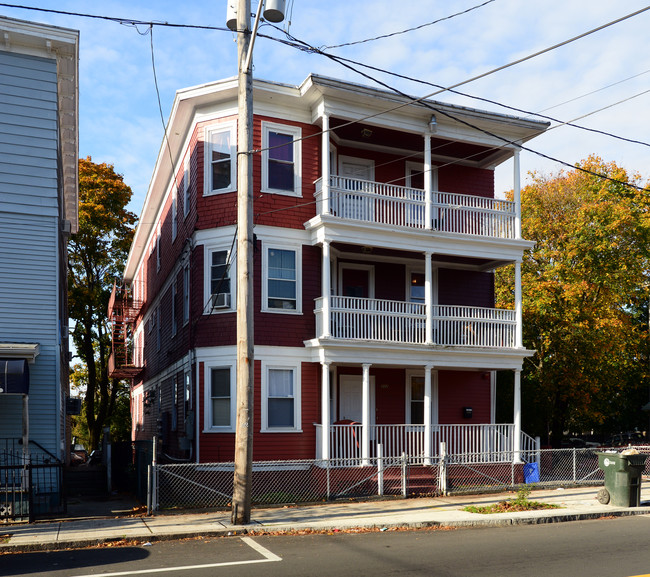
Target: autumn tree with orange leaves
[(585, 289), (96, 256)]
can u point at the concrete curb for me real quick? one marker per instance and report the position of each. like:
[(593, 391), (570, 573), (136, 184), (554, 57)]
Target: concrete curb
[(261, 529)]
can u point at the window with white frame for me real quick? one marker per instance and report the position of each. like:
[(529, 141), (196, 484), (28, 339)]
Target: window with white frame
[(416, 400), (186, 294), (220, 292), (221, 154), (173, 313), (174, 215), (186, 186), (281, 403), (221, 407), (158, 250), (281, 166), (282, 272)]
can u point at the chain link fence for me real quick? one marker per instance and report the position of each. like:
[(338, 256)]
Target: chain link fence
[(210, 485)]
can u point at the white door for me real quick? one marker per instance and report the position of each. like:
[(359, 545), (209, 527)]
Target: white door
[(356, 206), (350, 398)]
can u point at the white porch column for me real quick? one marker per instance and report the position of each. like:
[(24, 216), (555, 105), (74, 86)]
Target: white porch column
[(517, 194), (365, 416), (428, 197), (326, 279), (427, 414), (325, 162), (325, 411), (428, 296), (518, 307), (516, 445)]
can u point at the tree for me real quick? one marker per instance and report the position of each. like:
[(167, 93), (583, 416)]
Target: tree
[(584, 286), (96, 256)]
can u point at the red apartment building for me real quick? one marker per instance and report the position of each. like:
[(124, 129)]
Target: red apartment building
[(377, 233)]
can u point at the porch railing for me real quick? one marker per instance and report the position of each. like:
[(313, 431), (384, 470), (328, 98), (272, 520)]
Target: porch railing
[(390, 204), (355, 318), (484, 442)]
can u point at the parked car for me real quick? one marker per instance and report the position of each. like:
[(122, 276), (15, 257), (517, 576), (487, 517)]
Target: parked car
[(624, 439)]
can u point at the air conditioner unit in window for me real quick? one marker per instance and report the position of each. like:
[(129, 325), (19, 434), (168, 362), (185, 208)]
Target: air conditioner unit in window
[(221, 301)]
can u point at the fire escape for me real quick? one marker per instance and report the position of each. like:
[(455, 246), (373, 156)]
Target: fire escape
[(123, 309)]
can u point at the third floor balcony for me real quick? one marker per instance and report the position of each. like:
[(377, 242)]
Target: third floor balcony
[(352, 199)]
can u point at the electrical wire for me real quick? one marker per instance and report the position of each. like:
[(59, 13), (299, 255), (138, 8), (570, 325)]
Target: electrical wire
[(426, 24)]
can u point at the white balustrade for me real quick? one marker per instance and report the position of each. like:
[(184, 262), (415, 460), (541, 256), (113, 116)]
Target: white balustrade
[(405, 322), (390, 204), (467, 443)]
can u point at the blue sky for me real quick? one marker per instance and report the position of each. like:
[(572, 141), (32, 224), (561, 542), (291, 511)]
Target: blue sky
[(120, 121)]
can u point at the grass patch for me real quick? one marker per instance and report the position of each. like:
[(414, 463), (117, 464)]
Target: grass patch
[(519, 503)]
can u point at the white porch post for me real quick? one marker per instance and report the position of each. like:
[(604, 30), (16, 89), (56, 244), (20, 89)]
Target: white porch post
[(517, 194), (428, 296), (518, 307), (427, 414), (516, 445), (325, 290), (325, 411), (428, 197), (325, 161), (365, 417)]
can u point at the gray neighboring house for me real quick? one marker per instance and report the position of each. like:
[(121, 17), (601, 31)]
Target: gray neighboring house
[(38, 211)]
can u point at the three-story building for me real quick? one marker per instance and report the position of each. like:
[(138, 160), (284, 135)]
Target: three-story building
[(377, 233)]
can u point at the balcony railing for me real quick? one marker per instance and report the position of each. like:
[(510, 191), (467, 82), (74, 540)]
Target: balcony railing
[(354, 318), (486, 442), (389, 204)]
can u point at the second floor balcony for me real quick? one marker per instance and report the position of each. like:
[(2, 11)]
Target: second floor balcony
[(379, 203), (354, 318)]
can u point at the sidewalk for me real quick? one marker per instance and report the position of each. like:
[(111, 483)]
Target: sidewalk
[(577, 504)]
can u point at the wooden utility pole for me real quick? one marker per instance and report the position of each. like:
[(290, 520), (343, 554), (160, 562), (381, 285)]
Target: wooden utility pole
[(241, 498)]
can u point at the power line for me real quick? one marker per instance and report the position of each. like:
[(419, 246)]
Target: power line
[(408, 29)]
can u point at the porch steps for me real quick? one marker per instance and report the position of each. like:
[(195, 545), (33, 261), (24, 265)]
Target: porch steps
[(420, 480)]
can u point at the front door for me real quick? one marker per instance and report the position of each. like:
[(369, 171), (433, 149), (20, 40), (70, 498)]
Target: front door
[(355, 282), (351, 398), (357, 206)]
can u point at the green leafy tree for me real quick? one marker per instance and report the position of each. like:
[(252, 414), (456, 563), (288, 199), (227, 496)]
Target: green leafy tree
[(96, 256), (584, 284)]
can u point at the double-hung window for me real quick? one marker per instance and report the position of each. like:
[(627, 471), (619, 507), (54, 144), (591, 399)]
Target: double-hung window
[(417, 400), (281, 410), (220, 280), (186, 186), (281, 166), (221, 406), (220, 160), (282, 280)]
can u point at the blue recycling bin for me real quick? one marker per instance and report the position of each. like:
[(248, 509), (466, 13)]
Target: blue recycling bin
[(531, 473)]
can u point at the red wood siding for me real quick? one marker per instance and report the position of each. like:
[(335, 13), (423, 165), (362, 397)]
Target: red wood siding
[(463, 287), (458, 389)]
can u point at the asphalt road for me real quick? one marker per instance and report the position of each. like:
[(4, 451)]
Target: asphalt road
[(616, 547)]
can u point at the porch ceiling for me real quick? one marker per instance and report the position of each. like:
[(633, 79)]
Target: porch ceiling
[(368, 136), (355, 353)]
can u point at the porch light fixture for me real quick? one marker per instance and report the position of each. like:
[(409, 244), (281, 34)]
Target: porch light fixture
[(433, 123), (366, 132)]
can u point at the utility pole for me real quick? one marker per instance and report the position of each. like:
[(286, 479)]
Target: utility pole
[(274, 12), (241, 498)]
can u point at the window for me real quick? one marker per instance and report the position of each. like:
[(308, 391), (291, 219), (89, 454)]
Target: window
[(220, 279), (175, 405), (416, 289), (158, 329), (186, 294), (281, 167), (158, 250), (221, 398), (282, 280), (220, 161), (281, 409), (186, 186), (417, 400), (174, 319), (174, 215)]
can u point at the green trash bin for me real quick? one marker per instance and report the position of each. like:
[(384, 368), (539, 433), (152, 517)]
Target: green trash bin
[(622, 479)]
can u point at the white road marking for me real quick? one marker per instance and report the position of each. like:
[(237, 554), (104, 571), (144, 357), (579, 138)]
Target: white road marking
[(268, 557)]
